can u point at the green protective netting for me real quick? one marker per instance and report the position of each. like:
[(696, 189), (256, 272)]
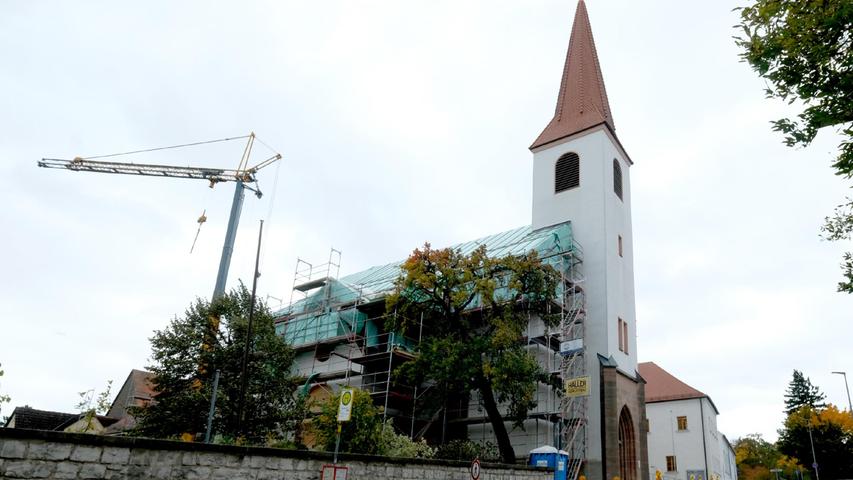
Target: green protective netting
[(313, 328), (307, 325)]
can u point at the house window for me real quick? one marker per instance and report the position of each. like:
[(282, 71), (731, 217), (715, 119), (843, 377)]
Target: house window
[(617, 178), (619, 245), (671, 466), (682, 423), (623, 335), (567, 172)]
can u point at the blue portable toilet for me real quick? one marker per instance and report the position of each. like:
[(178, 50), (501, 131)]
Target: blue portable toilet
[(548, 456)]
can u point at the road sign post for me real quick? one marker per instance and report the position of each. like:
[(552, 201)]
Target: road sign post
[(344, 415)]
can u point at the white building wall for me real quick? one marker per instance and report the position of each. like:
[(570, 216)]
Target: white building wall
[(693, 448), (598, 218), (729, 462)]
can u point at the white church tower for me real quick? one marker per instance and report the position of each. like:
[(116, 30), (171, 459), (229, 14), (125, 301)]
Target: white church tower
[(581, 173)]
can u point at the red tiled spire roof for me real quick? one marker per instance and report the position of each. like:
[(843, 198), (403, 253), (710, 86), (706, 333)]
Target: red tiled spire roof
[(662, 386), (582, 102)]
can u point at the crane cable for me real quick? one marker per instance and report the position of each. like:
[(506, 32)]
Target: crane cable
[(193, 144)]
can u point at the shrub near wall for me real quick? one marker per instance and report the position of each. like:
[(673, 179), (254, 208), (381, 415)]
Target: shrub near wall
[(57, 455)]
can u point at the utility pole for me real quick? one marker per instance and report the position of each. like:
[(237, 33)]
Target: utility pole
[(811, 442), (244, 371)]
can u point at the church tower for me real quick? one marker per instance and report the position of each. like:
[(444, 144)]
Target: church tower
[(581, 173)]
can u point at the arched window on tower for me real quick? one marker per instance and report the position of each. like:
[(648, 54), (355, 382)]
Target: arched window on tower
[(567, 173), (617, 178)]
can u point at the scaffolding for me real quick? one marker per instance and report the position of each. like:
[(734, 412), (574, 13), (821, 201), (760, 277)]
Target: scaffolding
[(573, 365), (341, 323)]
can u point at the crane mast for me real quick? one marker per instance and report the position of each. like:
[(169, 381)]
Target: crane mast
[(241, 176)]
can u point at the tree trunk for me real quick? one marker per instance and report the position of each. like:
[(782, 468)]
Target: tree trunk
[(501, 435)]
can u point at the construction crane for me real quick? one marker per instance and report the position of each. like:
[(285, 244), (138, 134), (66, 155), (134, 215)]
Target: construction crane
[(241, 176)]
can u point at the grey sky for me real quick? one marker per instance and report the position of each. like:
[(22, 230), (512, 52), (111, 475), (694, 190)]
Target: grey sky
[(400, 122)]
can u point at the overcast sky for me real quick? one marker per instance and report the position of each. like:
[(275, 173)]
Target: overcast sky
[(399, 122)]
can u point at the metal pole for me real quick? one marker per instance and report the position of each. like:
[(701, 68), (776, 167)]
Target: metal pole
[(212, 407), (244, 371), (811, 442), (230, 235), (414, 407), (337, 443), (388, 379), (849, 403)]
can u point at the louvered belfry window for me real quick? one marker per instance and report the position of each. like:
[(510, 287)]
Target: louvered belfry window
[(617, 178), (567, 173)]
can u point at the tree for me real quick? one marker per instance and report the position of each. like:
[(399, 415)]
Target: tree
[(832, 434), (360, 434), (185, 356), (101, 406), (801, 393), (3, 397), (755, 458), (474, 310), (804, 49)]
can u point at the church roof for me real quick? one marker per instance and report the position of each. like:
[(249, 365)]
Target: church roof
[(582, 101), (662, 386), (377, 282)]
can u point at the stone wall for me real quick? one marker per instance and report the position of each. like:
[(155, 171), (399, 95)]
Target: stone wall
[(57, 455)]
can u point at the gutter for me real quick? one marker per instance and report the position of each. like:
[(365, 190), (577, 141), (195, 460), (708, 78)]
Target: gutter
[(704, 448)]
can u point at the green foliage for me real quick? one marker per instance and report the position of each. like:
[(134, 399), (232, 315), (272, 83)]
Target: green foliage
[(840, 227), (474, 310), (101, 406), (466, 450), (185, 356), (804, 49), (3, 398), (359, 435), (801, 393), (393, 444), (756, 456), (832, 434)]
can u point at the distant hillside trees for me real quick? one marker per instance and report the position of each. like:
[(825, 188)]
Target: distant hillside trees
[(756, 457), (190, 349)]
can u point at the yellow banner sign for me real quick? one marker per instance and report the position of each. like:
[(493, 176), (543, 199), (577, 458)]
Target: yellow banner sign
[(577, 387)]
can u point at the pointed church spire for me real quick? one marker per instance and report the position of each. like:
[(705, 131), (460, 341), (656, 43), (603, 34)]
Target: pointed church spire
[(582, 102)]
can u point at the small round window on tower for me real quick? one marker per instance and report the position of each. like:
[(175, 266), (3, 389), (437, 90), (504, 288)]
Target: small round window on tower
[(567, 173)]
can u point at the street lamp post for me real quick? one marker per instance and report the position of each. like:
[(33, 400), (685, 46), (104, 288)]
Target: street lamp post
[(849, 403)]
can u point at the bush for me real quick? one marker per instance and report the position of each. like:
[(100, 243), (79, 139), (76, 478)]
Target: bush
[(359, 435), (467, 450)]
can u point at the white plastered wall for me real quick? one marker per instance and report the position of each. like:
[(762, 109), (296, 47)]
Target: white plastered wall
[(598, 218)]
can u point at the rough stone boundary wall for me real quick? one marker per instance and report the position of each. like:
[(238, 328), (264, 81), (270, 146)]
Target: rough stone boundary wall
[(58, 455)]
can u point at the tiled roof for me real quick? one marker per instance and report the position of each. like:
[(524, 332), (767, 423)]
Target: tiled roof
[(32, 419), (662, 386), (582, 101)]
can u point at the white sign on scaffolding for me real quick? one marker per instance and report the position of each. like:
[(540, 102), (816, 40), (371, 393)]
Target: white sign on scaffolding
[(570, 347)]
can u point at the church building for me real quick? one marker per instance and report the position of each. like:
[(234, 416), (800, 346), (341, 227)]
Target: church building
[(581, 222)]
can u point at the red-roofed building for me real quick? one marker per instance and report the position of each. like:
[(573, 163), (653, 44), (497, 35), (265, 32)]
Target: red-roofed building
[(683, 440), (136, 391)]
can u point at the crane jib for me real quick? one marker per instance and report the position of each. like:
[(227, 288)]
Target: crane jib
[(201, 173)]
